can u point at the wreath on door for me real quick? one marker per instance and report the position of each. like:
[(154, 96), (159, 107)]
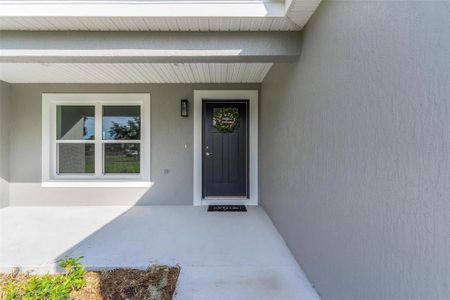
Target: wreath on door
[(226, 119)]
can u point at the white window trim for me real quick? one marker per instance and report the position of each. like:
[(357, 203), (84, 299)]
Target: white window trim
[(211, 95), (49, 176)]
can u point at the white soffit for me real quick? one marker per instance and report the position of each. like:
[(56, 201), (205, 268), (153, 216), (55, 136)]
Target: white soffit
[(134, 72), (152, 15), (148, 24)]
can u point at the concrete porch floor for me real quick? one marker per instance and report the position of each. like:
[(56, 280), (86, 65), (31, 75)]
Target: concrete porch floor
[(222, 255)]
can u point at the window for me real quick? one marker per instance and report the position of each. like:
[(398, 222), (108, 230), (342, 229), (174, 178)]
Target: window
[(121, 136), (96, 139)]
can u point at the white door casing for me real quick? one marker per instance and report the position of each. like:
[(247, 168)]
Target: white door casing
[(211, 95)]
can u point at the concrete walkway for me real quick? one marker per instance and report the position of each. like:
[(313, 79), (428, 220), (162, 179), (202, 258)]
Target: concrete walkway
[(222, 255)]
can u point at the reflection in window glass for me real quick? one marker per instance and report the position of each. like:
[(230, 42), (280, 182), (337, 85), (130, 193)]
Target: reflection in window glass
[(122, 158), (75, 122), (121, 122), (76, 158)]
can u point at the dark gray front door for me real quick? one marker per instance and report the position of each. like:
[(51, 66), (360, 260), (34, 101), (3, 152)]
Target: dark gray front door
[(225, 154)]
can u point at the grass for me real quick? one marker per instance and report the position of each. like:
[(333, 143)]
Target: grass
[(122, 164), (89, 166), (117, 164)]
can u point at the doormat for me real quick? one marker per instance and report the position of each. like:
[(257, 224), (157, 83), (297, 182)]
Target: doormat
[(231, 208)]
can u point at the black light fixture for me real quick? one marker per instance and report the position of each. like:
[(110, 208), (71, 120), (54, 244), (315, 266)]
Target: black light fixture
[(184, 108)]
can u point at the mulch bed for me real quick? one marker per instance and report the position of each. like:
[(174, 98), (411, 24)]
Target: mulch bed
[(156, 283)]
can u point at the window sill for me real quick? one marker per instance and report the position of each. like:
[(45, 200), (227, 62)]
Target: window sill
[(96, 184)]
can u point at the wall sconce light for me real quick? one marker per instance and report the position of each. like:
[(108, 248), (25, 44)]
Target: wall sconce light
[(184, 108)]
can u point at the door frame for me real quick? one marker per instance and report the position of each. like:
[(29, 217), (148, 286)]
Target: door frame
[(247, 154), (220, 95)]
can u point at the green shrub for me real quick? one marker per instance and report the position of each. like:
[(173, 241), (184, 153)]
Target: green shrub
[(51, 287)]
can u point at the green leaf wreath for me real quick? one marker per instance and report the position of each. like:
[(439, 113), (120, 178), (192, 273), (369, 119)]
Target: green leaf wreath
[(226, 119)]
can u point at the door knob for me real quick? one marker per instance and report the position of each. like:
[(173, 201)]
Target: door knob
[(208, 153)]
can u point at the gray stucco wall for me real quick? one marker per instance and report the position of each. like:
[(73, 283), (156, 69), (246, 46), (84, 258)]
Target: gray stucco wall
[(169, 134), (355, 139), (5, 102)]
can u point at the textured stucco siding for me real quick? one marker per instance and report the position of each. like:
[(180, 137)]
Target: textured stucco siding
[(4, 142), (169, 134), (355, 139)]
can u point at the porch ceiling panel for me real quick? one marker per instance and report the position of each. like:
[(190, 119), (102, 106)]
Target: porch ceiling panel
[(148, 24), (134, 72), (156, 15)]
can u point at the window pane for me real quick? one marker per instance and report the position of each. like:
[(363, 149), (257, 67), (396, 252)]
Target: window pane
[(122, 122), (122, 158), (75, 122), (76, 158)]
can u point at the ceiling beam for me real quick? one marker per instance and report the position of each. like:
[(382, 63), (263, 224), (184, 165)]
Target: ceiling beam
[(148, 47), (300, 11)]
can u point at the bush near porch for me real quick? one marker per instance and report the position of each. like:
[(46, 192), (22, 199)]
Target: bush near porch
[(155, 283)]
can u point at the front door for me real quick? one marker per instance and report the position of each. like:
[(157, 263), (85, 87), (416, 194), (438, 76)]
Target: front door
[(225, 149)]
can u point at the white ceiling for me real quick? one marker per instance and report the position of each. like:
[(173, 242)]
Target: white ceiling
[(148, 24), (148, 15), (134, 72), (153, 15)]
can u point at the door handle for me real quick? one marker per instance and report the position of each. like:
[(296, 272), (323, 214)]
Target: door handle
[(208, 153)]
